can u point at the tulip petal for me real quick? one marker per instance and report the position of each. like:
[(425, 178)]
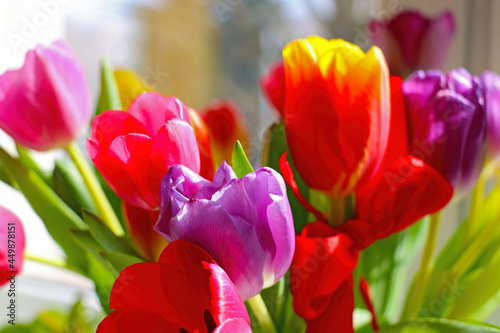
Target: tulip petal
[(406, 192), (177, 292), (437, 41), (273, 86), (165, 109), (339, 312), (323, 260), (11, 225), (140, 225), (491, 86), (127, 157), (108, 125), (175, 143)]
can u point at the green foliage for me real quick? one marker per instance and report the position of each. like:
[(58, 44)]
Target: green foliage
[(241, 166), (434, 325), (274, 146), (109, 98)]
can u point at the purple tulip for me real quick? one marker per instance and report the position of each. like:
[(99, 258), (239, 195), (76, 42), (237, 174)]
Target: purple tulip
[(447, 121), (244, 224), (411, 41), (46, 103), (491, 84)]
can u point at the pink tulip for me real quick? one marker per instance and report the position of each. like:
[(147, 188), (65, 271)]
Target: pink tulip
[(46, 103), (412, 41), (11, 245)]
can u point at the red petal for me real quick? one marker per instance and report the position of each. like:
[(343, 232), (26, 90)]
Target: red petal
[(125, 167), (203, 138), (111, 124), (140, 224), (273, 85), (174, 144), (397, 146), (323, 260), (406, 192), (337, 317), (174, 293), (153, 111)]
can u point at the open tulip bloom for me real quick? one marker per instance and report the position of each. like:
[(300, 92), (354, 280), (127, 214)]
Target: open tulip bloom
[(180, 234)]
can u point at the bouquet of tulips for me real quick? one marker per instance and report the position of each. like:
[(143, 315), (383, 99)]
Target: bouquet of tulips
[(180, 233)]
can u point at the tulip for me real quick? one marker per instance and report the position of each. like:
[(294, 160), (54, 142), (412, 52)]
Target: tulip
[(186, 291), (226, 125), (12, 243), (273, 86), (140, 225), (130, 85), (411, 41), (337, 113), (244, 224), (491, 85), (133, 150), (382, 208), (447, 124), (46, 103)]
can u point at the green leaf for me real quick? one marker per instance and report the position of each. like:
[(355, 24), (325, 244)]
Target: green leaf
[(120, 260), (85, 239), (104, 236), (70, 187), (434, 325), (26, 159), (103, 280), (273, 147), (55, 214), (109, 98), (385, 266), (241, 166)]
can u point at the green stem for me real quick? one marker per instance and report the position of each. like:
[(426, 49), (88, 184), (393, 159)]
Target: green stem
[(477, 197), (104, 209), (260, 311), (422, 276), (51, 262), (336, 211)]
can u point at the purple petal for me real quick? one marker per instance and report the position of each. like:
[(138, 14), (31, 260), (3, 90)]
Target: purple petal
[(491, 86), (437, 41)]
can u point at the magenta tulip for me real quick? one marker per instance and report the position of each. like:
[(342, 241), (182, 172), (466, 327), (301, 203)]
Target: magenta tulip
[(12, 243), (411, 41), (245, 224), (46, 103)]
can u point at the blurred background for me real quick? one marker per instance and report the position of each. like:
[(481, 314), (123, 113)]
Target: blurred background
[(198, 50)]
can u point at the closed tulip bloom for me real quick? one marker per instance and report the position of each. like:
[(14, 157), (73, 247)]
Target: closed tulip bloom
[(226, 124), (412, 41), (447, 122), (337, 112), (46, 103), (185, 291), (12, 242), (133, 150), (491, 85), (244, 224)]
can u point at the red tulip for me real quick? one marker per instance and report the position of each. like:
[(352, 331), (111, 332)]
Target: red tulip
[(12, 242), (325, 257), (226, 124), (140, 224), (273, 86), (46, 103), (337, 113), (186, 291), (133, 150)]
